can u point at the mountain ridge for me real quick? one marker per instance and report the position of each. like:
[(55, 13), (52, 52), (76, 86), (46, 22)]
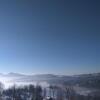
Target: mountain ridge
[(52, 75)]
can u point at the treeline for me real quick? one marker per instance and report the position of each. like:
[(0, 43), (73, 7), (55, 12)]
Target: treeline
[(29, 92), (53, 92), (88, 82)]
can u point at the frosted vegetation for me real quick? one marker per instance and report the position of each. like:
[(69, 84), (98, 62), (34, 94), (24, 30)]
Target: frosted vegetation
[(49, 87)]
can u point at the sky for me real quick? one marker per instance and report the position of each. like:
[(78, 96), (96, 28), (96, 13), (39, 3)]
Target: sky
[(50, 36)]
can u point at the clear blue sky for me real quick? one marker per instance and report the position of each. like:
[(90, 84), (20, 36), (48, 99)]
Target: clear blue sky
[(50, 36)]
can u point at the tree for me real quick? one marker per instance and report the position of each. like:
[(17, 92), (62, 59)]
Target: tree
[(38, 93), (44, 93), (60, 95), (70, 93), (1, 90), (32, 91)]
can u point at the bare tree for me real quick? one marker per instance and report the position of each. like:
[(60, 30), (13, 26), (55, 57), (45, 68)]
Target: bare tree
[(1, 90), (59, 94), (70, 93)]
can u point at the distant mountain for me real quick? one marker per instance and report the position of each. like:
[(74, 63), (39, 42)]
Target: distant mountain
[(87, 80), (88, 75), (15, 75), (50, 76), (12, 75), (83, 80)]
